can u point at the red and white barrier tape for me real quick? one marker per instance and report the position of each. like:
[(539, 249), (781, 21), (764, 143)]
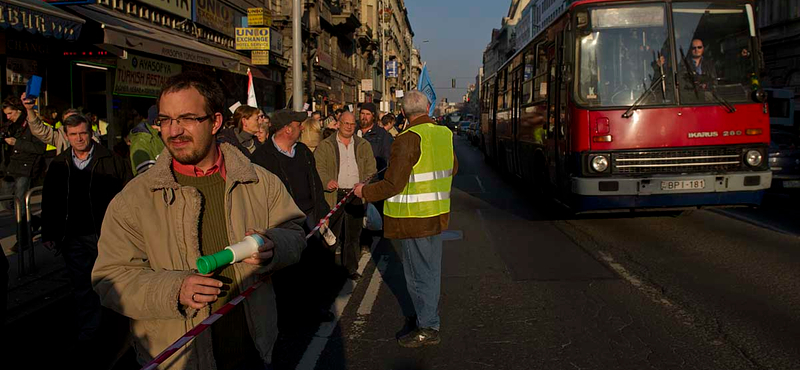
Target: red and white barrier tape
[(191, 334)]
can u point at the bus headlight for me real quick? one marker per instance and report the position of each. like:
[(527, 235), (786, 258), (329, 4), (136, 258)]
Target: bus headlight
[(599, 163), (753, 158)]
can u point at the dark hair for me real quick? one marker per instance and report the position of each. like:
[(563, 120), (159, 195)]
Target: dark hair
[(13, 102), (339, 111), (207, 87), (317, 112), (244, 111), (70, 111), (76, 120), (388, 118), (48, 112)]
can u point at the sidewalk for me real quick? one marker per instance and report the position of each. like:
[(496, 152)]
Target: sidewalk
[(39, 287)]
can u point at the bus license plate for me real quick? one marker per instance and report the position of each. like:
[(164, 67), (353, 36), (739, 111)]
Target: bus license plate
[(683, 185)]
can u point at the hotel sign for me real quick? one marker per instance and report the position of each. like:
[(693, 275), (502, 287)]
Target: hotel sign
[(252, 38)]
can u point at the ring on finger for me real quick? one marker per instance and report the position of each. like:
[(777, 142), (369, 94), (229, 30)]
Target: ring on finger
[(193, 300)]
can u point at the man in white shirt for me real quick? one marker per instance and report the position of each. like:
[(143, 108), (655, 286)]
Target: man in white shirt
[(343, 160)]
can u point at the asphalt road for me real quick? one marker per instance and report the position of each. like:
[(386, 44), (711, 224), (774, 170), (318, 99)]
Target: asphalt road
[(526, 288)]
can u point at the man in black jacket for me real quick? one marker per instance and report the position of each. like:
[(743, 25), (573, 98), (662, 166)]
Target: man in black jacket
[(79, 185), (380, 140), (27, 155), (293, 162)]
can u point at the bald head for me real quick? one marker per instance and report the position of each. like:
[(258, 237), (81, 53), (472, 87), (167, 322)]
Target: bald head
[(347, 125)]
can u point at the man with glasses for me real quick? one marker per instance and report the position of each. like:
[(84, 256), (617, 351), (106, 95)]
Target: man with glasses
[(197, 199), (701, 67), (343, 160)]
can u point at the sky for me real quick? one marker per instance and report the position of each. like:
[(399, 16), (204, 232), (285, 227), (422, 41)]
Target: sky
[(457, 32)]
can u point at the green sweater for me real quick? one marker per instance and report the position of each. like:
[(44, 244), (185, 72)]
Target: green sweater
[(231, 338)]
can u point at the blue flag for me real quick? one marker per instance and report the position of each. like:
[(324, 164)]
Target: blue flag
[(426, 87)]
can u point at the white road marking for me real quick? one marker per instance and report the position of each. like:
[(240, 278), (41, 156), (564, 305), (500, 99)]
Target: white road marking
[(653, 293), (372, 290), (320, 340)]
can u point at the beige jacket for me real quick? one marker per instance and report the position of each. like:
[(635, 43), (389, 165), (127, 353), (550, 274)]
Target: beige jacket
[(150, 241)]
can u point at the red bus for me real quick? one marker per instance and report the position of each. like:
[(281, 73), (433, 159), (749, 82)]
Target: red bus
[(635, 105)]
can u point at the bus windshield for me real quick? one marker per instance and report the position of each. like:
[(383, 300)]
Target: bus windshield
[(625, 55), (715, 51), (622, 55)]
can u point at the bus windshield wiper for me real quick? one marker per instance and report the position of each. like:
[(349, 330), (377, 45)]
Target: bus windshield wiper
[(716, 97), (644, 95), (722, 101)]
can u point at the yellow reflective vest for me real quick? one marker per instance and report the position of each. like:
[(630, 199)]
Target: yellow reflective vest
[(427, 193)]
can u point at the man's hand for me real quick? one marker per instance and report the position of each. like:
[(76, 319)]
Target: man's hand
[(333, 185), (11, 141), (27, 103), (265, 252), (357, 190), (50, 245), (197, 291)]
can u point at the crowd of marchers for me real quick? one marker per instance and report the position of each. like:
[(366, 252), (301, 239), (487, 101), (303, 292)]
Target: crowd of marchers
[(131, 221)]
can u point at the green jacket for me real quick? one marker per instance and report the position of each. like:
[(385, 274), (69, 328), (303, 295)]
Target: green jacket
[(146, 145), (327, 158)]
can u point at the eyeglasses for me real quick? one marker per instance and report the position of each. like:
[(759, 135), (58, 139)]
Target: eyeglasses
[(182, 121), (697, 48), (347, 123)]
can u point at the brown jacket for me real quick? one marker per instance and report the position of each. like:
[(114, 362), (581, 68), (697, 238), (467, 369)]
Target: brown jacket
[(150, 242), (327, 158), (405, 154)]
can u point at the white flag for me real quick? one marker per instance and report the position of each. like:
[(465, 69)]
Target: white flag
[(251, 91)]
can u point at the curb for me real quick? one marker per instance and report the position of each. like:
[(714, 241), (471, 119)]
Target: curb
[(754, 222)]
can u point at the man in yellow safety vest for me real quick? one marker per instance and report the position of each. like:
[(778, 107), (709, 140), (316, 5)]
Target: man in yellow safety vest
[(416, 190)]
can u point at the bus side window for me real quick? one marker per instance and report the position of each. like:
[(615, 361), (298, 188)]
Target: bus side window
[(540, 78)]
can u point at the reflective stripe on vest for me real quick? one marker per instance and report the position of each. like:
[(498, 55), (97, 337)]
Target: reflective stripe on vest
[(428, 176), (427, 193), (418, 198)]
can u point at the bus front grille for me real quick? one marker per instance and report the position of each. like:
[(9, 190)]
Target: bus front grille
[(677, 161)]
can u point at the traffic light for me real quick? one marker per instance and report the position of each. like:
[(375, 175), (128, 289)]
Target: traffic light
[(454, 83)]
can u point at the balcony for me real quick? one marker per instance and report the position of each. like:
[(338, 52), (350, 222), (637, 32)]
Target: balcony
[(344, 15)]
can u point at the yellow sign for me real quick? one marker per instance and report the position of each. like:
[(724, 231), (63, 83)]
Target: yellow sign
[(259, 17), (252, 38), (260, 57)]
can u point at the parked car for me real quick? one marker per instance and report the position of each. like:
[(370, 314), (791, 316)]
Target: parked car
[(471, 131), (784, 158), (461, 128)]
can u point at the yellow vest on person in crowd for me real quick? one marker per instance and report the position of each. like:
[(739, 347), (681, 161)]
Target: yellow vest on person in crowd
[(427, 193), (56, 126)]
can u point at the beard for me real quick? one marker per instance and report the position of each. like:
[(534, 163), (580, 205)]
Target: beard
[(193, 153)]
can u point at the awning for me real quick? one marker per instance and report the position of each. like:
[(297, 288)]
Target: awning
[(244, 64), (131, 34), (38, 17)]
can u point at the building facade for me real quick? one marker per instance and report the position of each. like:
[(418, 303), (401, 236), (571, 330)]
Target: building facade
[(779, 25)]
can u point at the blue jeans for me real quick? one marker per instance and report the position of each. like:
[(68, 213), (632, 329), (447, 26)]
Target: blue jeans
[(422, 264)]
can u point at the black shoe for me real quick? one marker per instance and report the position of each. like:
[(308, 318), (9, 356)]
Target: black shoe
[(409, 326), (420, 337), (354, 276)]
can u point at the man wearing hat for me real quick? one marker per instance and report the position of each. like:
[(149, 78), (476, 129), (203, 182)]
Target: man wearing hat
[(294, 164), (379, 139)]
